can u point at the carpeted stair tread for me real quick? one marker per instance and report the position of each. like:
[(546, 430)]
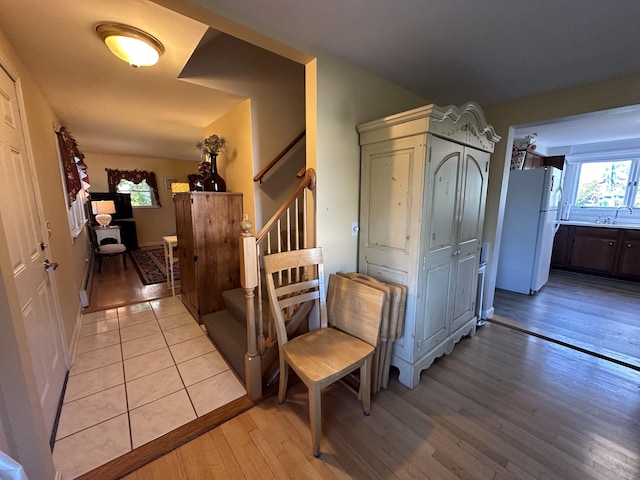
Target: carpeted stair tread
[(230, 337), (237, 305)]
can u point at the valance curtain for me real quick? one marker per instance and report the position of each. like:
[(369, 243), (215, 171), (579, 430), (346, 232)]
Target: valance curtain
[(72, 163), (135, 176)]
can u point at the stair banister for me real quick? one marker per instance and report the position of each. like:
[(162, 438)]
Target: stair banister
[(250, 258), (272, 163), (249, 282)]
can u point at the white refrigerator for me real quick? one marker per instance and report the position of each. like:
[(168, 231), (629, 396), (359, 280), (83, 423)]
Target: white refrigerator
[(530, 223)]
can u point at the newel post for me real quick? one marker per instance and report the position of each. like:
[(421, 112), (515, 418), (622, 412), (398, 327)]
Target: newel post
[(249, 281)]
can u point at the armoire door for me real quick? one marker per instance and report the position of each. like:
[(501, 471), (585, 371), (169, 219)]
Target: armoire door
[(473, 187), (439, 246), (392, 173)]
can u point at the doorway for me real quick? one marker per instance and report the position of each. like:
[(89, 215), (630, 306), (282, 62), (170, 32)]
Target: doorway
[(590, 313)]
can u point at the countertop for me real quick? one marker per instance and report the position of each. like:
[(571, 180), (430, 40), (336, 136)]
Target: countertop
[(578, 223)]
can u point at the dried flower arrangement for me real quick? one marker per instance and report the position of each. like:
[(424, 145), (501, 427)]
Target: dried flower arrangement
[(212, 144)]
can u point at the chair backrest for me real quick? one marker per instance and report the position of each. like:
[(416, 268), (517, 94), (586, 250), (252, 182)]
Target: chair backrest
[(295, 283), (93, 238)]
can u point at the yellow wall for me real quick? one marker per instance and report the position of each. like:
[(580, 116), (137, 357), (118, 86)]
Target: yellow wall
[(345, 96), (151, 223), (69, 253), (603, 96), (277, 99), (336, 100), (235, 161)]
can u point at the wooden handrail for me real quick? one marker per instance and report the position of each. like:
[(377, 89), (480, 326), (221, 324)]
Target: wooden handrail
[(252, 248), (263, 172), (308, 182)]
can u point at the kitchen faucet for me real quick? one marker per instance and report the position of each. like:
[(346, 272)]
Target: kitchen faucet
[(615, 219)]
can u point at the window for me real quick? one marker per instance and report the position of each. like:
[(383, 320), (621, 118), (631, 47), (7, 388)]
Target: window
[(141, 184), (600, 183), (142, 194)]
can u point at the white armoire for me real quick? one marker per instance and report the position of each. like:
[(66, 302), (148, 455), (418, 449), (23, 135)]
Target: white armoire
[(423, 189)]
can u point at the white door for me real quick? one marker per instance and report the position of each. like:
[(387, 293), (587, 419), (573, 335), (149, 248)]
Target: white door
[(23, 228)]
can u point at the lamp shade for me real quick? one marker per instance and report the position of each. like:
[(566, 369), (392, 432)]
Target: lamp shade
[(103, 210), (137, 48), (103, 206), (177, 187)]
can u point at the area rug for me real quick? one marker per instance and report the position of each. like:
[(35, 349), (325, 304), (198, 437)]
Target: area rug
[(149, 263)]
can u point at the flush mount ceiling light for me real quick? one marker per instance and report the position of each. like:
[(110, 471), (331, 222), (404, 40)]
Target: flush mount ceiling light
[(137, 48)]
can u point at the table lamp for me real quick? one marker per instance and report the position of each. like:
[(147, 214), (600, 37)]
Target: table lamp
[(103, 210), (178, 187)]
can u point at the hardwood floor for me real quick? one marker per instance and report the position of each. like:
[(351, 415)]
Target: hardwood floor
[(596, 314), (503, 405), (116, 287)]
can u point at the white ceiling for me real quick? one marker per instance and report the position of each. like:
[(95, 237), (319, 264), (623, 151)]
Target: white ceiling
[(449, 52)]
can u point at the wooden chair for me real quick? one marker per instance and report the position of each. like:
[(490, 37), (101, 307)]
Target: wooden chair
[(344, 342), (107, 249)]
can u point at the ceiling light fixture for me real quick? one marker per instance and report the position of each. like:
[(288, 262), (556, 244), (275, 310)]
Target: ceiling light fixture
[(137, 48)]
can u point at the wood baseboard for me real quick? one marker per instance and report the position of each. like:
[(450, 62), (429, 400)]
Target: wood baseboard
[(148, 452)]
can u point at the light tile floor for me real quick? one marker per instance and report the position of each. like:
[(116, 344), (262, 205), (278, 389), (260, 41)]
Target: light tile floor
[(140, 371)]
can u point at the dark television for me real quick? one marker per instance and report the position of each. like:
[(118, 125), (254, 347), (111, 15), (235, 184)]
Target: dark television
[(121, 200)]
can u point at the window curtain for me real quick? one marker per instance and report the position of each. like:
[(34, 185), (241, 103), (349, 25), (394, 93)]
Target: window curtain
[(72, 163), (135, 176)]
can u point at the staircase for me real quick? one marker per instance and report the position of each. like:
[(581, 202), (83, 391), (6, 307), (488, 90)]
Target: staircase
[(228, 329), (243, 332)]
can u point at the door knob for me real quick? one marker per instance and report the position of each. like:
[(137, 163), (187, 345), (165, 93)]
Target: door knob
[(49, 266)]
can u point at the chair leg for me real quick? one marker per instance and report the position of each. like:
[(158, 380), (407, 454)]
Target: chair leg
[(315, 417), (284, 377), (365, 385)]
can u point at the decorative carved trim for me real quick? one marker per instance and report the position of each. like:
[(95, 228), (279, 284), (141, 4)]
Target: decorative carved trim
[(465, 124)]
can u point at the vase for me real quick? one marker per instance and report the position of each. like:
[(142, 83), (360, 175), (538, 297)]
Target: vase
[(213, 182)]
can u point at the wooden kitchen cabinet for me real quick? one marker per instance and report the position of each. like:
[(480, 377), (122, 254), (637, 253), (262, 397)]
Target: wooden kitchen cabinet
[(559, 257), (531, 160), (208, 230), (423, 189), (628, 264), (594, 248), (613, 252), (556, 161)]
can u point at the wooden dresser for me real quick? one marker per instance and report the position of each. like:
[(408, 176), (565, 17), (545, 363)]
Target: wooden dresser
[(208, 228)]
